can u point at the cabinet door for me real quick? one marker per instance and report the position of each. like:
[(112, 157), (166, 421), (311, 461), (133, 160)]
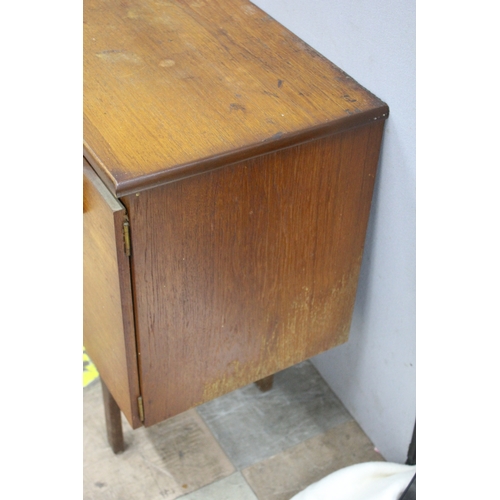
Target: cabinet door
[(108, 330), (244, 271)]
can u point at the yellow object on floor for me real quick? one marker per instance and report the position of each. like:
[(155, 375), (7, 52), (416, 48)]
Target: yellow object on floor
[(90, 372)]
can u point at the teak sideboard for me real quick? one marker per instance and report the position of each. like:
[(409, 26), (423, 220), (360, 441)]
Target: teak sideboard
[(228, 175)]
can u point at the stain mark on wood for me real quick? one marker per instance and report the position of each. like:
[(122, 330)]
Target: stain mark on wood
[(348, 98), (237, 107)]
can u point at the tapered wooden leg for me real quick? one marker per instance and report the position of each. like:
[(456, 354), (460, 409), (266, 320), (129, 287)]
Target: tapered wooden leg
[(113, 421), (265, 384)]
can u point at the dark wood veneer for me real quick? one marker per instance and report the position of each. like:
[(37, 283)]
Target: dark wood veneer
[(240, 164)]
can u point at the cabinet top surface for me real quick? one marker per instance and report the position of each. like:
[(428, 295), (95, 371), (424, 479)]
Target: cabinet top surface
[(173, 88)]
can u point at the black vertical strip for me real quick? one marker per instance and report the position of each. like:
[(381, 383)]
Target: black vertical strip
[(412, 450)]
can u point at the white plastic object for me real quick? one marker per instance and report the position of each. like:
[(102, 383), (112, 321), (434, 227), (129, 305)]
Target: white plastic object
[(366, 481)]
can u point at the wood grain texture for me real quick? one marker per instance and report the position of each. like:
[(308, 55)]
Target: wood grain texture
[(113, 420), (175, 88), (241, 272), (108, 329)]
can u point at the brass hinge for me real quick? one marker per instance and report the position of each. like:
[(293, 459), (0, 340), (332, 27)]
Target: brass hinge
[(141, 408), (126, 237)]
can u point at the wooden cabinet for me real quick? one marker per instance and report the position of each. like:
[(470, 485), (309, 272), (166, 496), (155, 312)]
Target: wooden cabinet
[(228, 177)]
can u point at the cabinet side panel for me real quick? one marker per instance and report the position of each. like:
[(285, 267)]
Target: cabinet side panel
[(244, 271), (108, 330)]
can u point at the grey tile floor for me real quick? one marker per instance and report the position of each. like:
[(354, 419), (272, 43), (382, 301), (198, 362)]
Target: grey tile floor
[(246, 445)]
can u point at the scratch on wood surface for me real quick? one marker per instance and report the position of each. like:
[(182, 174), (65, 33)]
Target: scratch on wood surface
[(167, 63), (117, 56), (249, 10)]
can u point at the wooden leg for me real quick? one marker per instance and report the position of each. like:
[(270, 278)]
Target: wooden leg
[(113, 421), (265, 384)]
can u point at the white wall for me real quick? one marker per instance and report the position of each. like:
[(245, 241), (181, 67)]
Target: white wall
[(374, 373)]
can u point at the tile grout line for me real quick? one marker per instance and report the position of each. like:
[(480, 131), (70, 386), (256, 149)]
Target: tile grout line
[(236, 470)]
